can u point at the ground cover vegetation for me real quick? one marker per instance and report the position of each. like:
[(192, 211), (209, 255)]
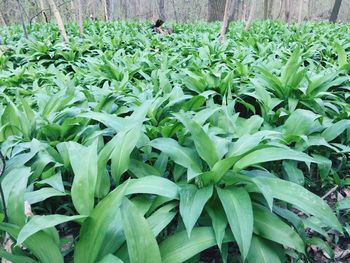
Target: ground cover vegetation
[(131, 146)]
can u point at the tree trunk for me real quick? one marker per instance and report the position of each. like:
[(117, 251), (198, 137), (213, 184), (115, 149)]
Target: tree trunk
[(110, 8), (300, 13), (227, 13), (21, 11), (241, 11), (244, 11), (161, 9), (59, 20), (125, 9), (79, 15), (93, 14), (335, 12), (175, 12), (42, 7), (287, 10), (271, 9), (266, 9), (2, 19), (105, 9), (251, 15), (216, 9)]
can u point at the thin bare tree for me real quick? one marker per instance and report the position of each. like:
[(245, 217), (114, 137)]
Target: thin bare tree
[(79, 16), (105, 9), (2, 19), (59, 20), (225, 22), (271, 3), (21, 11), (216, 10), (266, 9), (287, 10), (42, 8), (93, 5), (251, 15), (175, 12), (300, 13), (161, 9), (335, 11), (110, 8), (125, 8)]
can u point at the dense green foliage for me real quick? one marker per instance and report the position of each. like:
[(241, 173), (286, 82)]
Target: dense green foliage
[(137, 147)]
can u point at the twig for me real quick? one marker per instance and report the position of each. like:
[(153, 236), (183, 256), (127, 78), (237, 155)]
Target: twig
[(46, 9), (330, 192), (2, 158)]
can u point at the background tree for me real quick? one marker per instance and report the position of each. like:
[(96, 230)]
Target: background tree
[(59, 20), (266, 9), (161, 8), (21, 12), (271, 5), (2, 19), (43, 12), (93, 5), (335, 11), (287, 10), (251, 15), (300, 12), (79, 15), (216, 10), (175, 10), (227, 13), (105, 9)]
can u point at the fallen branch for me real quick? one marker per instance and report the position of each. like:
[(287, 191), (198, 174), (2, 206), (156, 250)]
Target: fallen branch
[(330, 192)]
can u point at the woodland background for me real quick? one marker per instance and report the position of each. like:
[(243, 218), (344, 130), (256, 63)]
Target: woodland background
[(172, 10)]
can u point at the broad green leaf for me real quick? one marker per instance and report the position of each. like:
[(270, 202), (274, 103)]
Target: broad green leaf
[(15, 258), (318, 242), (271, 154), (303, 199), (205, 146), (40, 244), (179, 247), (342, 57), (192, 202), (293, 173), (85, 175), (37, 223), (55, 181), (181, 155), (15, 204), (141, 169), (263, 251), (11, 179), (238, 208), (335, 130), (121, 154), (299, 123), (291, 67), (161, 218), (102, 232), (270, 226), (110, 258), (41, 195), (142, 245), (343, 204), (153, 185), (219, 221), (109, 120)]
